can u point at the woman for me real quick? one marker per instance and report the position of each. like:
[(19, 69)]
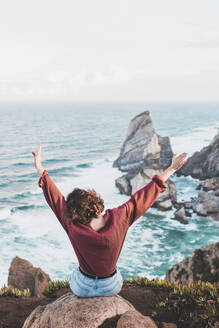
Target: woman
[(97, 239)]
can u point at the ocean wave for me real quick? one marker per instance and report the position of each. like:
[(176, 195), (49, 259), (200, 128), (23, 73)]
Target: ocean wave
[(56, 160), (62, 170), (2, 185), (7, 201), (25, 208), (84, 165), (21, 164), (25, 194)]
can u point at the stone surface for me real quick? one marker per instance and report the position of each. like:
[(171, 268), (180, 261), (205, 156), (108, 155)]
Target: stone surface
[(144, 153), (71, 311), (134, 319), (180, 215), (144, 176), (203, 264), (123, 184), (209, 184), (22, 275), (142, 146), (168, 325), (203, 164), (206, 204)]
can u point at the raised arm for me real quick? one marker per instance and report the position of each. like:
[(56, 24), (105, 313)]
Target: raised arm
[(145, 197), (53, 196)]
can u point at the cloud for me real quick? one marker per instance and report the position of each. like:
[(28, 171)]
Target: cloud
[(203, 44), (113, 76), (61, 83)]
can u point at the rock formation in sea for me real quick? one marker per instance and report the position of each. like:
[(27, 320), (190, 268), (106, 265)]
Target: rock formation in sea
[(180, 215), (203, 265), (71, 311), (143, 154), (23, 275), (203, 164)]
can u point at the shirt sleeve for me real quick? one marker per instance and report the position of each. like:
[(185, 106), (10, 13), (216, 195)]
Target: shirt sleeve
[(54, 197), (144, 198)]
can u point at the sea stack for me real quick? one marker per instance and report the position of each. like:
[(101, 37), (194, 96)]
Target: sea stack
[(203, 164), (143, 154)]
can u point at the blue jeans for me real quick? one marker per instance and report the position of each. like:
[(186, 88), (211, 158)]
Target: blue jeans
[(84, 286)]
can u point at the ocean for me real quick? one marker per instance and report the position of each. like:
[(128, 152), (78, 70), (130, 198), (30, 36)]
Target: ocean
[(80, 141)]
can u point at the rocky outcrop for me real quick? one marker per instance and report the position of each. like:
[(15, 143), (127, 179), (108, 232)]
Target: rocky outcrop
[(180, 215), (203, 265), (134, 319), (210, 184), (143, 154), (206, 203), (143, 146), (23, 275), (71, 311), (203, 164)]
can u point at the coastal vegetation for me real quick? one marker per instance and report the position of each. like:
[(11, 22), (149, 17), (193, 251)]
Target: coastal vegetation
[(14, 292), (187, 305), (55, 285), (196, 303)]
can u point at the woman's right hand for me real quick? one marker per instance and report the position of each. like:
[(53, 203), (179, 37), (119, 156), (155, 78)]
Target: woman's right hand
[(37, 160), (178, 161)]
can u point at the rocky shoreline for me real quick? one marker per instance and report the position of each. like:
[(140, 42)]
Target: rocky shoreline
[(145, 153), (141, 302)]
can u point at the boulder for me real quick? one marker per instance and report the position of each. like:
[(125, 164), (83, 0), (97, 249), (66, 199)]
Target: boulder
[(200, 209), (143, 154), (209, 184), (134, 319), (23, 275), (180, 215), (188, 205), (71, 311), (206, 204), (123, 184), (203, 164), (203, 264)]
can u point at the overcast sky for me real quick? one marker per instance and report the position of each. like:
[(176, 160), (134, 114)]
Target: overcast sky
[(114, 50)]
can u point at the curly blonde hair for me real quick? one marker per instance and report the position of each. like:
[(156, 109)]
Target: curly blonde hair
[(83, 205)]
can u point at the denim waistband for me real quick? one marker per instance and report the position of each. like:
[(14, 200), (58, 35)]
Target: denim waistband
[(96, 277)]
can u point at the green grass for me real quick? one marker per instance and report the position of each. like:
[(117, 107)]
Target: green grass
[(15, 292), (197, 302), (54, 285)]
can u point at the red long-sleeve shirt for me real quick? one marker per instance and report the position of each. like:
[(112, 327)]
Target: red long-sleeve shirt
[(98, 251)]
